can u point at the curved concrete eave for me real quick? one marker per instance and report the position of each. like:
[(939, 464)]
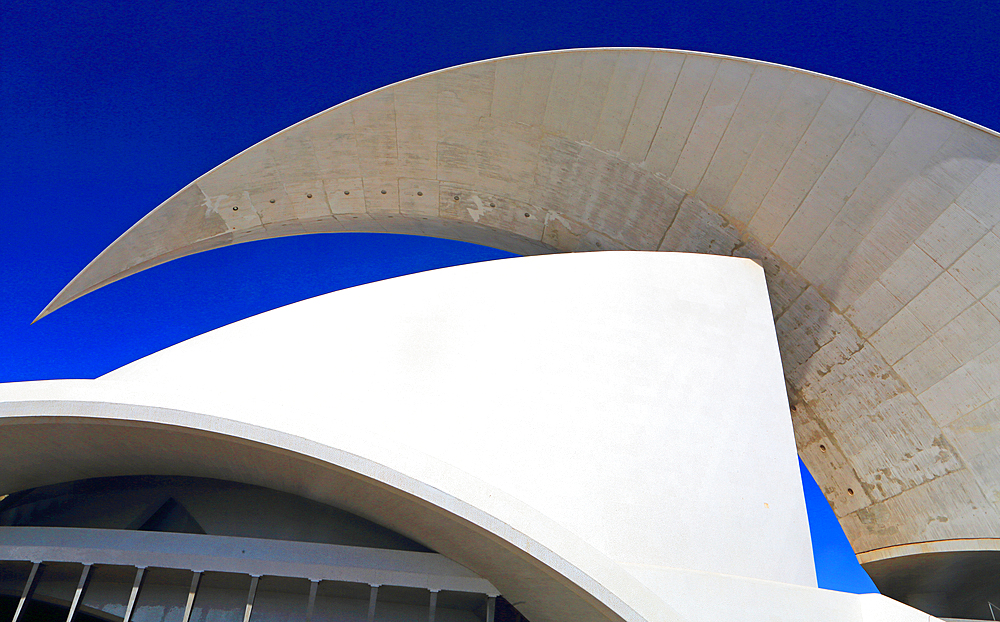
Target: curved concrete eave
[(104, 428), (875, 218)]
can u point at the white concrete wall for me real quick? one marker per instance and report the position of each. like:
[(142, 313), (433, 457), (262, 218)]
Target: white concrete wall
[(711, 597), (636, 399)]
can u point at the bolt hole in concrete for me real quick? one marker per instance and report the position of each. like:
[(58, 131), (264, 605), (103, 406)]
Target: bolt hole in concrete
[(309, 196), (272, 200), (456, 197), (383, 192), (822, 448), (526, 215), (850, 491), (347, 192), (420, 194), (493, 204), (236, 208)]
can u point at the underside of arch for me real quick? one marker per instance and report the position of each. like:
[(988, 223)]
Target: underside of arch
[(98, 440)]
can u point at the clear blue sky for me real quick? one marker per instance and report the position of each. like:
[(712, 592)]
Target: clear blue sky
[(108, 108)]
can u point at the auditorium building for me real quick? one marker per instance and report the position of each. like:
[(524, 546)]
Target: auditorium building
[(790, 266)]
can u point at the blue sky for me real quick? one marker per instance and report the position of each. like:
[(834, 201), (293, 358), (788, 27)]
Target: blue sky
[(108, 108)]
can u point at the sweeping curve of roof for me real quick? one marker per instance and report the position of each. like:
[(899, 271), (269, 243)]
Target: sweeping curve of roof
[(876, 220)]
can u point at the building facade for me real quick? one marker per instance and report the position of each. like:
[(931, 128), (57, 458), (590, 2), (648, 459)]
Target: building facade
[(874, 220)]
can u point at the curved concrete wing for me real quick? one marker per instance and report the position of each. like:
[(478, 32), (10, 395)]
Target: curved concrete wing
[(875, 218)]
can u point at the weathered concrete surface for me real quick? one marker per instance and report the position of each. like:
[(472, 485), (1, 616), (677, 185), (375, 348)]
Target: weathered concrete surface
[(876, 220)]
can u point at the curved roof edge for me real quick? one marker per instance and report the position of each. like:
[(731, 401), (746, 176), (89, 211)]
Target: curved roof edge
[(956, 545), (571, 576), (67, 294)]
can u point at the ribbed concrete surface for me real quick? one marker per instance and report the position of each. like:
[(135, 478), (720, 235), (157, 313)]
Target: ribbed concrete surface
[(875, 218)]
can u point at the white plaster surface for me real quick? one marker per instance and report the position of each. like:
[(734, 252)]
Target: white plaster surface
[(709, 597)]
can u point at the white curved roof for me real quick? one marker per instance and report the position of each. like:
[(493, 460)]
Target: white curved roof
[(875, 218)]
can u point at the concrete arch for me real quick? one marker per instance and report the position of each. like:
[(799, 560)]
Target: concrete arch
[(875, 218), (101, 430)]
